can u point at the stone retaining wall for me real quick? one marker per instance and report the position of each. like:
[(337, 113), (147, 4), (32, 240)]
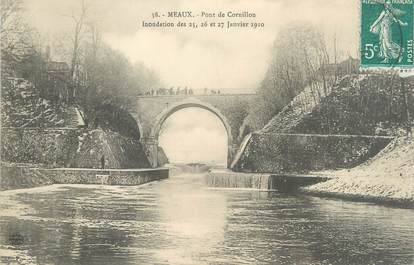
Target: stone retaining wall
[(18, 177), (300, 153), (105, 177), (71, 148)]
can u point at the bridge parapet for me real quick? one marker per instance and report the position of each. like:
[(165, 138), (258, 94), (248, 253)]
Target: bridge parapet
[(199, 95)]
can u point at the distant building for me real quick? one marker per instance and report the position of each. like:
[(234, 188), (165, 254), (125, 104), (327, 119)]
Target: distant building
[(57, 81), (349, 66)]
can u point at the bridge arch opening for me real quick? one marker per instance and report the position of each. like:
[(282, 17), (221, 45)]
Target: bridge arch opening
[(189, 116)]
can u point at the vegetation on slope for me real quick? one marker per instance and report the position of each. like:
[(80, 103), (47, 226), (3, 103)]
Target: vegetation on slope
[(369, 104), (86, 73)]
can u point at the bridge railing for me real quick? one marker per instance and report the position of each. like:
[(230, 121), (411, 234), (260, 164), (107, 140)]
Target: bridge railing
[(195, 95)]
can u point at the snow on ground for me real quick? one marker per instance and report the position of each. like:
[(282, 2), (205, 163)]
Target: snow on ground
[(389, 176)]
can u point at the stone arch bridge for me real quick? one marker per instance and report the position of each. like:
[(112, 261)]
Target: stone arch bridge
[(152, 111)]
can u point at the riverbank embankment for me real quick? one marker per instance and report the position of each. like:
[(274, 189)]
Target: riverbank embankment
[(386, 178)]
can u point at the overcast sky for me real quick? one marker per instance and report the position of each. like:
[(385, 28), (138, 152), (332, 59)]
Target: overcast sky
[(194, 135), (226, 59)]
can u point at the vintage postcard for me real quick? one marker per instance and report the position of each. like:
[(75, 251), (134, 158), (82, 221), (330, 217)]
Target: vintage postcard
[(207, 132)]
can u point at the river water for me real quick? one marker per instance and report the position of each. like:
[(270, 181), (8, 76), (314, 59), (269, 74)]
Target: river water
[(180, 221)]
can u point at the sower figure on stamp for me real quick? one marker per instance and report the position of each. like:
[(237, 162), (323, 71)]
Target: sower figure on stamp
[(103, 161), (382, 26)]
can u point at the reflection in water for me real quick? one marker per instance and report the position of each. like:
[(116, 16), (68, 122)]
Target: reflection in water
[(179, 221)]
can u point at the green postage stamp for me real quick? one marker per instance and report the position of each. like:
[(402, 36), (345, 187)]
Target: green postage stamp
[(387, 31)]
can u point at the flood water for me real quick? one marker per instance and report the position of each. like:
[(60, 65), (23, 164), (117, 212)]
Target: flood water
[(180, 221)]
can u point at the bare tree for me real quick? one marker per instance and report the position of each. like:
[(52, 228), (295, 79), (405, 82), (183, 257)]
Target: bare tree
[(16, 35), (95, 39), (79, 21), (93, 46), (299, 59), (9, 8)]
